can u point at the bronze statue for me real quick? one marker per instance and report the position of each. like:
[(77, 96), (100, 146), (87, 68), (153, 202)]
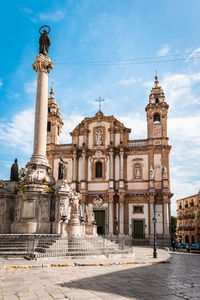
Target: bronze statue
[(44, 41), (14, 174), (61, 169)]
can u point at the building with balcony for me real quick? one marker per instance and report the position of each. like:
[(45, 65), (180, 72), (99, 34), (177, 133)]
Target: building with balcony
[(188, 219)]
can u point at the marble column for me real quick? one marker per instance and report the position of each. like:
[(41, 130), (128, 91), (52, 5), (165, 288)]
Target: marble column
[(83, 210), (74, 167), (42, 66), (121, 217), (111, 165), (121, 166), (83, 166), (110, 217), (166, 218), (38, 167)]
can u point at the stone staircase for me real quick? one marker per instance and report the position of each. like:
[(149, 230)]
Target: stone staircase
[(52, 245), (80, 246)]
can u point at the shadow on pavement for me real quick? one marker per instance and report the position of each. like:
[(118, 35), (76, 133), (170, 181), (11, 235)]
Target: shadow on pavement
[(178, 279)]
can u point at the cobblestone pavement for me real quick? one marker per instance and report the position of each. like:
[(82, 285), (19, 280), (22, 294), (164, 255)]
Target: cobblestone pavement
[(176, 279)]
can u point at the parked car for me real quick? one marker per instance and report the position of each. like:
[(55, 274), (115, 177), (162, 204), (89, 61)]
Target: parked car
[(195, 247), (183, 247)]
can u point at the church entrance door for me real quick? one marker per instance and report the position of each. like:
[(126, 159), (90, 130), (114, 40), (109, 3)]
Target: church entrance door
[(138, 229), (99, 216)]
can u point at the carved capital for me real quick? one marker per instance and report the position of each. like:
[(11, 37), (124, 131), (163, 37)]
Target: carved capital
[(42, 64)]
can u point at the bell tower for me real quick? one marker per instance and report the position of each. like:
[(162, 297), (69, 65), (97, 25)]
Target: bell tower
[(54, 123), (156, 112)]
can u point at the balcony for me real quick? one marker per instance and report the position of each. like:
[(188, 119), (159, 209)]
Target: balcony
[(188, 216), (137, 143), (180, 217)]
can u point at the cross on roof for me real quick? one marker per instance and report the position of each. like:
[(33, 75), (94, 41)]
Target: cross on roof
[(99, 100)]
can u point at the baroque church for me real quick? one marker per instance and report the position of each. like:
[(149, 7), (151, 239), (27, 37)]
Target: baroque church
[(127, 182)]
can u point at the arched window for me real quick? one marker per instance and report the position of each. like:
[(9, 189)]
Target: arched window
[(98, 171), (156, 118), (157, 100), (137, 171)]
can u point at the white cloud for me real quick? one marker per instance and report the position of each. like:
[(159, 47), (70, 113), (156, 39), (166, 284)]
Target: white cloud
[(50, 16), (30, 87), (18, 133), (179, 89), (127, 81), (70, 122), (137, 124), (185, 140), (27, 10), (195, 55), (164, 50)]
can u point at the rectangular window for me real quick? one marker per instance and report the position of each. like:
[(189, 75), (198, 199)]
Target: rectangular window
[(49, 126), (138, 209)]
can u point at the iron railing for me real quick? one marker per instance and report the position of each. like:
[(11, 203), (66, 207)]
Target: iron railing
[(36, 246)]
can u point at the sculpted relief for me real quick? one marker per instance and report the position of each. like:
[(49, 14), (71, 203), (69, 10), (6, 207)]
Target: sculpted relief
[(99, 136)]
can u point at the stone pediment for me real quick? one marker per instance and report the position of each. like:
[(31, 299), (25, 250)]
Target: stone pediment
[(115, 125)]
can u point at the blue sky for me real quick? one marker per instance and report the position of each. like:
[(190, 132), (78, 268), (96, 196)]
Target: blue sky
[(109, 35)]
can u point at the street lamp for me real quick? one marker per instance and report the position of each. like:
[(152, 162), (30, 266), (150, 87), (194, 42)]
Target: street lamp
[(154, 219)]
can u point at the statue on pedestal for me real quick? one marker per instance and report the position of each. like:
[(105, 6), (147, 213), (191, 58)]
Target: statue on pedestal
[(61, 169), (14, 173), (44, 41)]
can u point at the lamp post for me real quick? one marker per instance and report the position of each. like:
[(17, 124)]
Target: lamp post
[(154, 219)]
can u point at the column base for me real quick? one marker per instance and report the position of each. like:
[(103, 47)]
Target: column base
[(38, 172)]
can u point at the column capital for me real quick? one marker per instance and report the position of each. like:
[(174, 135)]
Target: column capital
[(42, 64), (152, 198), (111, 195), (121, 197)]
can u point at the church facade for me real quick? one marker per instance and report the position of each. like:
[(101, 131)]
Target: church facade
[(127, 182)]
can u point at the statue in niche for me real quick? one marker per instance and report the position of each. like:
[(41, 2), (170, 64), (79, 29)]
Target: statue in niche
[(44, 42), (164, 173), (61, 169), (138, 173), (99, 137), (151, 173), (14, 172)]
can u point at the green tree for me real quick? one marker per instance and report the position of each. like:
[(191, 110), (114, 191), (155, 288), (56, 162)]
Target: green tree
[(173, 223), (22, 172)]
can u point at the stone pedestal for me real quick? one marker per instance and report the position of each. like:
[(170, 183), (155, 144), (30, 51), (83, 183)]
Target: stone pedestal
[(91, 229), (63, 229), (13, 186), (32, 213)]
